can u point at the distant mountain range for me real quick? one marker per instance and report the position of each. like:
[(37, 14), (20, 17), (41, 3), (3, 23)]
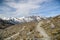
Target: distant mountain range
[(22, 19), (5, 22)]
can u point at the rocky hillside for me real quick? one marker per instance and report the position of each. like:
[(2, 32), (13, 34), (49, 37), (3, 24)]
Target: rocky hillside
[(52, 27), (19, 31), (45, 29)]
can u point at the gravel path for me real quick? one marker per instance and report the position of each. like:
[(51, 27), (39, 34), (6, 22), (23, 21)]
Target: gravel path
[(42, 32)]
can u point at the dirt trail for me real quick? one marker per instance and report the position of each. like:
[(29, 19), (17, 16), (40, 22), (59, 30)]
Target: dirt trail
[(42, 32)]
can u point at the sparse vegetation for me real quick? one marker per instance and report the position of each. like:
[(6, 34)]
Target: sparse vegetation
[(52, 27), (28, 29)]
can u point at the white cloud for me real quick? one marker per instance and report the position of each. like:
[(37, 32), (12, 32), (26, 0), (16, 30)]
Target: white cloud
[(24, 7)]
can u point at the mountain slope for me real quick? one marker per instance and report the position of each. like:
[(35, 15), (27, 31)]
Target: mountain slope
[(49, 28), (4, 24), (52, 27)]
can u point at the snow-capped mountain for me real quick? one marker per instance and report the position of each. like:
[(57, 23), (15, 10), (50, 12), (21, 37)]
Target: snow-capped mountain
[(23, 19)]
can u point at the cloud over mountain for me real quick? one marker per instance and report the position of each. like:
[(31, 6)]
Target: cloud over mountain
[(20, 7)]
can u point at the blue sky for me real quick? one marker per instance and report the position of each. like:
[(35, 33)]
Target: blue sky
[(19, 8)]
